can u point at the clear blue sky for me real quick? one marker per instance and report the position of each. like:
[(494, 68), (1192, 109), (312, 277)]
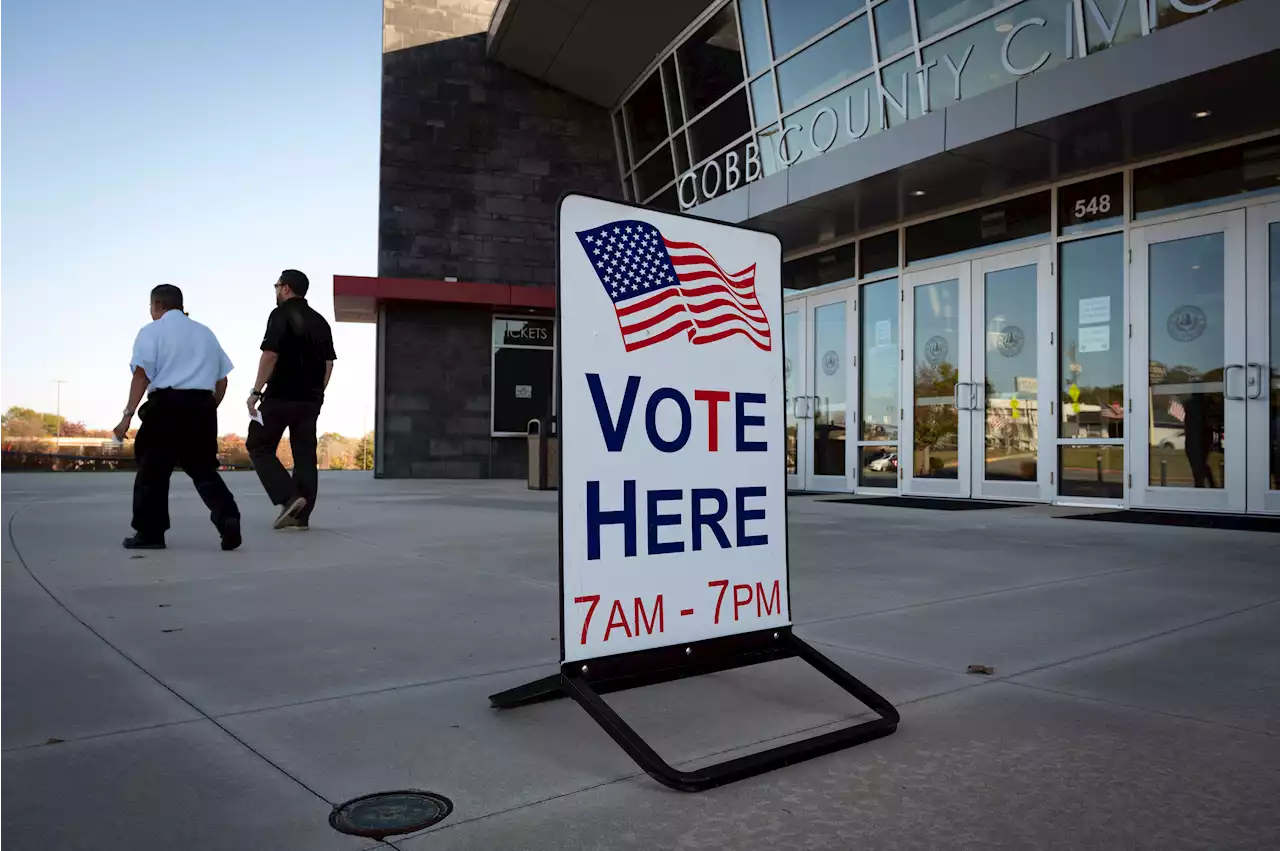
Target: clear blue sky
[(208, 145)]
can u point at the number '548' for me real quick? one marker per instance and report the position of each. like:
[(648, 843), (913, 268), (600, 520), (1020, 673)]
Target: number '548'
[(1095, 205)]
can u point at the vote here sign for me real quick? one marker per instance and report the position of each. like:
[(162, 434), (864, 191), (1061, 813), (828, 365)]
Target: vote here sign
[(673, 489)]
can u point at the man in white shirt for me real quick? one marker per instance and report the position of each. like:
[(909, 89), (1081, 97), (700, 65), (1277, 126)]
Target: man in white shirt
[(187, 370)]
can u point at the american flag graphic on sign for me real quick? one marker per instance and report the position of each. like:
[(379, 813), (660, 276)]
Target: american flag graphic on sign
[(663, 289)]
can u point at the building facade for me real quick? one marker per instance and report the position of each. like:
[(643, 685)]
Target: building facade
[(1032, 247)]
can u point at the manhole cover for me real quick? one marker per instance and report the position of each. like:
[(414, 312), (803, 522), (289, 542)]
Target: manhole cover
[(390, 813)]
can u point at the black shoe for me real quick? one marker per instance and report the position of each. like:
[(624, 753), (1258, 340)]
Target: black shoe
[(231, 534), (289, 512), (139, 541)]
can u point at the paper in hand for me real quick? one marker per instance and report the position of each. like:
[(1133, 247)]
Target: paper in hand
[(257, 418)]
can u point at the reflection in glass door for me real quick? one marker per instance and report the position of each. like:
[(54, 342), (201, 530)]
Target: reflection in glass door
[(1262, 366), (1189, 367), (878, 385)]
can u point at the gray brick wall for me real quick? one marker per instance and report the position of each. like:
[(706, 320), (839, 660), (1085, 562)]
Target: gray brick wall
[(474, 157)]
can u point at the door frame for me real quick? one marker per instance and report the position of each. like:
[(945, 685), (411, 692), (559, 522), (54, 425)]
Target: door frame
[(910, 484), (1233, 225), (1261, 498), (1042, 489), (795, 403)]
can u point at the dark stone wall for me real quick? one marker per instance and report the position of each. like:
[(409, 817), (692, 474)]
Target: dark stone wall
[(474, 158)]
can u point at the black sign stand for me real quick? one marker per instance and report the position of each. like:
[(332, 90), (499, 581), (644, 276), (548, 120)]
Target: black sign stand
[(586, 681)]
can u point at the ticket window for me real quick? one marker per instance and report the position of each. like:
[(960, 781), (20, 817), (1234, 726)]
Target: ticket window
[(523, 372)]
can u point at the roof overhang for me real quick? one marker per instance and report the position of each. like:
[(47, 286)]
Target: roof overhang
[(594, 49), (355, 299)]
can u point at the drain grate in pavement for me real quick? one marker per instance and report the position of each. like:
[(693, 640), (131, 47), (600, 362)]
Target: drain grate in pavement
[(384, 814)]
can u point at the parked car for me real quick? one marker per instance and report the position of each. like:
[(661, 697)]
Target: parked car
[(885, 463)]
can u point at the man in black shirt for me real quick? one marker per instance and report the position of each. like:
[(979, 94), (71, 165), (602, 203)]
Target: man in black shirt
[(297, 360)]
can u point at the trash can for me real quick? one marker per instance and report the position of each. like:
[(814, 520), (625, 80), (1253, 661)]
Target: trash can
[(544, 454)]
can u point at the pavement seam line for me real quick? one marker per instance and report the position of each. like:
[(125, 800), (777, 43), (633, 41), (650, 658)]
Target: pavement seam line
[(123, 655), (91, 736), (977, 595), (1136, 708)]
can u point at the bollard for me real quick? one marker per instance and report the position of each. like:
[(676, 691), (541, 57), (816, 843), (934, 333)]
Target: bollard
[(543, 454), (1164, 470), (1099, 466)]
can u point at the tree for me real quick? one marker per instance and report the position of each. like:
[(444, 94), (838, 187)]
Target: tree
[(364, 452), (232, 451), (24, 422)]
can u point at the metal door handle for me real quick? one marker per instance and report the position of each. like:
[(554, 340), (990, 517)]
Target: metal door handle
[(1252, 382), (1226, 382), (955, 393)]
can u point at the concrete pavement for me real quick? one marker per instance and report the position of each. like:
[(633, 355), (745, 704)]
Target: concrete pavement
[(195, 699)]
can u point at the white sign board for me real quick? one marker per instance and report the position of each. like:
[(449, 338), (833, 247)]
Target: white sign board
[(673, 484), (1095, 310), (1095, 338)]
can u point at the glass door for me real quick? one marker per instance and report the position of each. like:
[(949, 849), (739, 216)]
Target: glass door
[(977, 352), (1189, 368), (828, 349), (937, 386), (797, 403), (1013, 359), (1262, 366)]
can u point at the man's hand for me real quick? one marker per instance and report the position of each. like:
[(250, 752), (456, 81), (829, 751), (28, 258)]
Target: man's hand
[(252, 404), (121, 430)]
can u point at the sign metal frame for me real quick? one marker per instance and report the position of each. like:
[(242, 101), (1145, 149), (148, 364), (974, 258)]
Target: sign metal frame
[(586, 681)]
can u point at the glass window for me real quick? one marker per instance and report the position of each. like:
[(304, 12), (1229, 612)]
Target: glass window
[(717, 179), (753, 33), (1091, 470), (1092, 334), (893, 27), (879, 253), (902, 92), (1020, 218), (668, 201), (621, 139), (1205, 178), (878, 365), (682, 153), (829, 412), (655, 172), (1093, 204), (792, 23), (843, 54), (1186, 292), (971, 61), (1105, 25), (646, 117), (792, 383), (710, 62), (935, 16), (826, 267), (842, 117), (720, 127), (763, 102), (674, 117), (1167, 15), (879, 467)]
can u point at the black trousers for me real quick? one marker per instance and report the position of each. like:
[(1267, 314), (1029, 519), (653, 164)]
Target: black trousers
[(263, 440), (179, 428)]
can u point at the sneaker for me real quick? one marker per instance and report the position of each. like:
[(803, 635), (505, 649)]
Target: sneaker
[(231, 534), (294, 525), (141, 542), (289, 512)]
